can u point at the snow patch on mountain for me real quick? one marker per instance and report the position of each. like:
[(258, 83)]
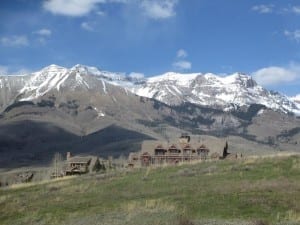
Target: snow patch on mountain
[(212, 90), (99, 112), (104, 87), (56, 78), (175, 78), (41, 82), (296, 98), (222, 92)]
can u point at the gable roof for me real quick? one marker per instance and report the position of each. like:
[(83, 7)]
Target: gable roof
[(187, 146), (160, 146), (79, 159), (173, 146)]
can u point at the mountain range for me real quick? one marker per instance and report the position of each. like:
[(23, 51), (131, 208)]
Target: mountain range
[(94, 111), (226, 93)]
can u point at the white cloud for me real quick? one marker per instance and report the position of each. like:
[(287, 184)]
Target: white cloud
[(41, 40), (3, 70), (181, 53), (182, 65), (14, 41), (135, 75), (159, 9), (291, 9), (296, 98), (295, 35), (43, 32), (120, 1), (296, 9), (86, 26), (263, 9), (42, 35), (154, 9), (71, 7), (100, 13), (277, 75), (22, 71)]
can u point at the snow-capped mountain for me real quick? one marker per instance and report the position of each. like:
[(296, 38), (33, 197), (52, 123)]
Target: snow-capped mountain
[(10, 87), (222, 92), (296, 98), (212, 90), (60, 79)]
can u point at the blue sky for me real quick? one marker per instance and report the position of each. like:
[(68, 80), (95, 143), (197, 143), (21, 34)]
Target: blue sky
[(260, 38)]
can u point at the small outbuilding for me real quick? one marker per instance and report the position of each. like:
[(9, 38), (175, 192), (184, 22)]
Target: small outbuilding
[(81, 164)]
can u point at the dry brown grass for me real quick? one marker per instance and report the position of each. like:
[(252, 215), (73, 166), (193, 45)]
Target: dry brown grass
[(24, 185), (292, 215), (234, 193), (148, 205)]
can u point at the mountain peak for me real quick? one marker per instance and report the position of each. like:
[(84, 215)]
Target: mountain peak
[(172, 88), (54, 66), (179, 78), (79, 68), (241, 78)]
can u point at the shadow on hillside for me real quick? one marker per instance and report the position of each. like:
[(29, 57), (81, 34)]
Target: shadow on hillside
[(29, 143)]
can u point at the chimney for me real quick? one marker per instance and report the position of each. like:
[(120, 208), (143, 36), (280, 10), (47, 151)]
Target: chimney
[(68, 155)]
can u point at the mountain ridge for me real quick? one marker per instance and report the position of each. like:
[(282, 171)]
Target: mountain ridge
[(221, 92), (82, 100)]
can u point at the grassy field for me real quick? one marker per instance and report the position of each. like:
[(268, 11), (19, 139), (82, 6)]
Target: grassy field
[(246, 192)]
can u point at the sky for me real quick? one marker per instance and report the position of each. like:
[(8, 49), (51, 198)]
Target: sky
[(151, 37)]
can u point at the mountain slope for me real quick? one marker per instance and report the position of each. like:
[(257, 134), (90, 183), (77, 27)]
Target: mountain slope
[(10, 87), (226, 93), (27, 143), (79, 103)]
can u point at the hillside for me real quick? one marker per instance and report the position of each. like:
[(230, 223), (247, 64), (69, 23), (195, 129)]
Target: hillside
[(82, 103), (249, 192), (29, 143)]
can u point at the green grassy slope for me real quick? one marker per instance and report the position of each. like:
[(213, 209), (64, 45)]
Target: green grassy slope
[(251, 191)]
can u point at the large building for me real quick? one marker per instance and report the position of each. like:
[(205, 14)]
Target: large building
[(184, 149)]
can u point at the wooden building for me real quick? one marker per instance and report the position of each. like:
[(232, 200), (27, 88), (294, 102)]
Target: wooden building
[(182, 150), (203, 151), (81, 164), (170, 155), (78, 165), (146, 159)]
